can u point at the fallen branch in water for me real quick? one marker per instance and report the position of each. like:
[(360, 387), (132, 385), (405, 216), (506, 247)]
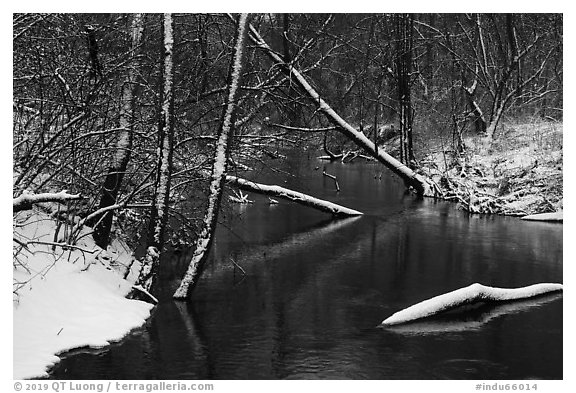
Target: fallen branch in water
[(239, 197), (465, 296), (294, 196), (238, 266), (333, 178)]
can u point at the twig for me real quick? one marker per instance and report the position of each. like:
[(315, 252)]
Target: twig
[(63, 245), (333, 178), (238, 266), (145, 292)]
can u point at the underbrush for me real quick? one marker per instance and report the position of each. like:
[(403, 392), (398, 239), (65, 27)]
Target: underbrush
[(519, 173)]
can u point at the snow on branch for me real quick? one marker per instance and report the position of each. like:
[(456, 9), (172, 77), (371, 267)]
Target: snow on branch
[(303, 129), (474, 293), (27, 200)]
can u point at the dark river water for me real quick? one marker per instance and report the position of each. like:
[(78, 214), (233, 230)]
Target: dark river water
[(316, 289)]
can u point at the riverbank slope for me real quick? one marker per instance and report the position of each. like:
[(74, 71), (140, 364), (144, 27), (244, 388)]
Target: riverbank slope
[(520, 173), (66, 298)]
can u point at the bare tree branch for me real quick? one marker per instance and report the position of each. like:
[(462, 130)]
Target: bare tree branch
[(27, 200)]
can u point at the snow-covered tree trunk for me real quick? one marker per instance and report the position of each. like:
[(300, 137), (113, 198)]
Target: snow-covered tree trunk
[(159, 211), (116, 171), (204, 240), (294, 196), (408, 175)]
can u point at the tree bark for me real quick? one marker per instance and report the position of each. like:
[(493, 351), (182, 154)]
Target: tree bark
[(204, 240), (410, 177), (113, 181)]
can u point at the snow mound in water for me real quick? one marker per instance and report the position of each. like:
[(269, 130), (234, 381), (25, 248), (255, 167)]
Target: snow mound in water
[(550, 217), (465, 296)]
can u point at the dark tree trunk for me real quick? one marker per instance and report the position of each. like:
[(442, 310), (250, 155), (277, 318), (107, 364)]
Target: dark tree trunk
[(113, 182)]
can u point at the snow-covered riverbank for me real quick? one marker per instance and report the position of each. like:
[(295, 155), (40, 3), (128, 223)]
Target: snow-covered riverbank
[(66, 299), (519, 174)]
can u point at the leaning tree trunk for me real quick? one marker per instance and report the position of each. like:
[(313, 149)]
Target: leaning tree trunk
[(159, 211), (113, 182), (204, 240), (408, 175)]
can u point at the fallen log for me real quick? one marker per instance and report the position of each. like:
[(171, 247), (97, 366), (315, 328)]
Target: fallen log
[(475, 319), (466, 296), (291, 195)]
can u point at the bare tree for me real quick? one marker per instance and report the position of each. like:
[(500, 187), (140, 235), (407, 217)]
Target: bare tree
[(497, 65), (117, 169), (204, 240), (159, 209), (404, 27)]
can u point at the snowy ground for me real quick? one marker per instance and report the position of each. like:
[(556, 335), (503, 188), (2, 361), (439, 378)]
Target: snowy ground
[(66, 299), (520, 174)]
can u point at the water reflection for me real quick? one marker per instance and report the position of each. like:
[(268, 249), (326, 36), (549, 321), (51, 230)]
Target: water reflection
[(316, 289)]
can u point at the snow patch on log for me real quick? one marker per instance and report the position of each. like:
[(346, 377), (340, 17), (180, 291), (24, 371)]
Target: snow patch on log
[(465, 296)]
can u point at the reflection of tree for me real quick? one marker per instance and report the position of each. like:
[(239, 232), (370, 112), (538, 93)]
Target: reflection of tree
[(200, 352)]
